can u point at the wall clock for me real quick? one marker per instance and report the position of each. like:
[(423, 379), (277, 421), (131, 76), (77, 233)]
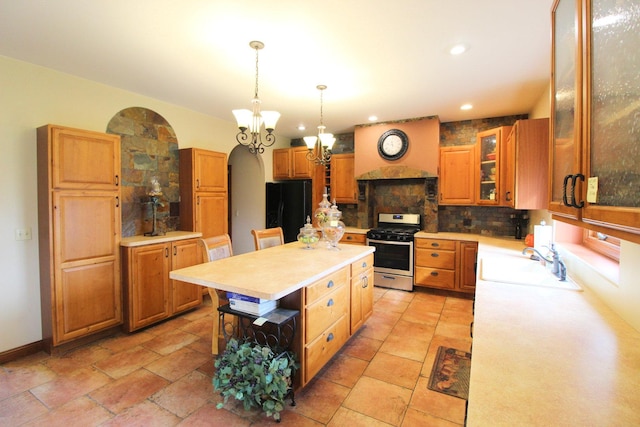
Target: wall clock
[(393, 144)]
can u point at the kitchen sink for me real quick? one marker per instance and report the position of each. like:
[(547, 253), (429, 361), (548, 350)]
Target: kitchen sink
[(522, 271)]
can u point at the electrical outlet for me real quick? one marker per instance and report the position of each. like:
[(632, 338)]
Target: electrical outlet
[(23, 233)]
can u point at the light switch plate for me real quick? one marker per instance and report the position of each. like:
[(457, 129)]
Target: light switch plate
[(23, 233)]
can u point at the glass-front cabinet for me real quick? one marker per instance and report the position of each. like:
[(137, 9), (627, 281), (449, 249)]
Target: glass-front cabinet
[(488, 144), (595, 158)]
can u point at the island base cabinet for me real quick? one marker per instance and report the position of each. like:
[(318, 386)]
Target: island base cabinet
[(325, 346)]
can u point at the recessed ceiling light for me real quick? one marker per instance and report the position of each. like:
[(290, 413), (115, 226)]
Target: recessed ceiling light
[(466, 107), (458, 49), (373, 118), (301, 127)]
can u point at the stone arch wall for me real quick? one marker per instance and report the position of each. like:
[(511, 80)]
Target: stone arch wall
[(149, 149)]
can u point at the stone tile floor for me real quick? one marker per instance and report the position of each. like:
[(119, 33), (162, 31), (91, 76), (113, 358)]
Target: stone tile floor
[(162, 375)]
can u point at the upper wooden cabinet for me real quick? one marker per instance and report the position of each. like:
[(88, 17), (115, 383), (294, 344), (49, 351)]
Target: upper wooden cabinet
[(488, 165), (595, 156), (344, 188), (457, 175), (292, 163), (524, 165), (203, 192), (79, 233)]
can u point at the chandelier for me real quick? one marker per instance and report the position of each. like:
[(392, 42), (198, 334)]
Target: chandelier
[(322, 143), (252, 120)]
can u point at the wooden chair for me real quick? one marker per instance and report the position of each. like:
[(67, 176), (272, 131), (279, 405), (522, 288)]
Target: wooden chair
[(268, 237), (214, 248)]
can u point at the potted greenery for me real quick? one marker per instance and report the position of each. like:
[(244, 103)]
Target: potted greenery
[(256, 375)]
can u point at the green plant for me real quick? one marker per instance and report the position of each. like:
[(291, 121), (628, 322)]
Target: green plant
[(255, 375)]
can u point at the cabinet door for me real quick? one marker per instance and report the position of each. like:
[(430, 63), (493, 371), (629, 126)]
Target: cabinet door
[(211, 214), (149, 285), (344, 188), (612, 151), (281, 163), (87, 291), (457, 175), (361, 298), (301, 166), (468, 263), (210, 171), (185, 253), (565, 106), (488, 167), (84, 160)]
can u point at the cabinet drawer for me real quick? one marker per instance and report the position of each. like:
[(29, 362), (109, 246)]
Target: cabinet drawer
[(447, 245), (436, 258), (361, 265), (318, 353), (435, 277), (325, 285), (326, 311), (355, 238)]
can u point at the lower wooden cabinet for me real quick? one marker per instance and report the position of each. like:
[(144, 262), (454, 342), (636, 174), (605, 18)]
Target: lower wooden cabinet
[(445, 264), (361, 292), (150, 296), (326, 314)]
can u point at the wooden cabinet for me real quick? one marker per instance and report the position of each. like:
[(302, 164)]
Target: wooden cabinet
[(79, 232), (292, 163), (445, 264), (203, 192), (354, 238), (326, 325), (524, 165), (488, 165), (595, 156), (362, 282), (150, 296), (344, 188), (457, 175)]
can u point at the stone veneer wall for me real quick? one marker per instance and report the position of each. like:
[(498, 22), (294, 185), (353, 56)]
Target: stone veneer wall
[(149, 149)]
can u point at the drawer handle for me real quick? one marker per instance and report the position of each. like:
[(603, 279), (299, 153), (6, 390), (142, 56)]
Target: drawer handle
[(330, 284), (330, 302), (434, 273), (330, 337), (349, 237), (435, 244), (435, 254)]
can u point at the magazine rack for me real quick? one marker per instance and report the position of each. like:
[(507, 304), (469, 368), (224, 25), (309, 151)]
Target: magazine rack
[(275, 329)]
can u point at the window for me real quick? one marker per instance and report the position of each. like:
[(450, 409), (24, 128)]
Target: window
[(602, 243)]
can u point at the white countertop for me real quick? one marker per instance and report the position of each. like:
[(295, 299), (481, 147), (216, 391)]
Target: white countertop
[(272, 273), (549, 357)]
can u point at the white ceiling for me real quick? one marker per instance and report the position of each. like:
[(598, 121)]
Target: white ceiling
[(382, 57)]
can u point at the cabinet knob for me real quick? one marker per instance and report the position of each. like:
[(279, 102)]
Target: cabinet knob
[(330, 302), (330, 284), (330, 337)]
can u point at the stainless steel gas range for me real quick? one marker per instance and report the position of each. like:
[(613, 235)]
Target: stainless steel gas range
[(393, 258)]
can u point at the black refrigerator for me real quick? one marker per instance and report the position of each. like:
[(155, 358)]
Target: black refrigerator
[(288, 205)]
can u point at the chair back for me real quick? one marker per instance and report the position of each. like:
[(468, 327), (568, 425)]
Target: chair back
[(216, 247), (268, 237)]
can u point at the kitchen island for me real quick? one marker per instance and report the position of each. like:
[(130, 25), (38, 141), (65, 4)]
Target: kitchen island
[(546, 356), (332, 289)]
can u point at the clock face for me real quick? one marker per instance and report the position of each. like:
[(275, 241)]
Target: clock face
[(393, 144)]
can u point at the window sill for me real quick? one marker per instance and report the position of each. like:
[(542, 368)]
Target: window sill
[(580, 258)]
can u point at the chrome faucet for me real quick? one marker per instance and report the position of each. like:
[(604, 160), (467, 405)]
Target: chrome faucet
[(559, 269)]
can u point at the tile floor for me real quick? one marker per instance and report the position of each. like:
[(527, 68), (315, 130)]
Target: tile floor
[(161, 376)]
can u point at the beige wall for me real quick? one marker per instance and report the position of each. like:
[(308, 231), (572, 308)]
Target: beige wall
[(33, 96)]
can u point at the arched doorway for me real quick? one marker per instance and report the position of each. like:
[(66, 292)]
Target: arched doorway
[(246, 198)]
